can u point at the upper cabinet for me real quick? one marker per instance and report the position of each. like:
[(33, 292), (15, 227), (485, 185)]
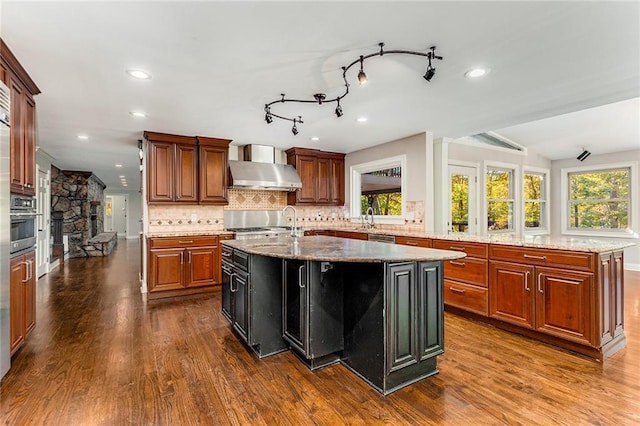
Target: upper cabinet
[(23, 122), (185, 169), (322, 176)]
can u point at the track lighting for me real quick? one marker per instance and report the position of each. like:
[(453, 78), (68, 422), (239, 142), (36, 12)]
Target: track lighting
[(320, 98), (339, 112), (362, 77), (583, 155)]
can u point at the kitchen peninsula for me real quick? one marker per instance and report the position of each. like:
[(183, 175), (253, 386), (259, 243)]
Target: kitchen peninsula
[(377, 308)]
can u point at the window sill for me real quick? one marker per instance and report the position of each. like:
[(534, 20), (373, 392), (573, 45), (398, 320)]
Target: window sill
[(605, 234), (382, 220)]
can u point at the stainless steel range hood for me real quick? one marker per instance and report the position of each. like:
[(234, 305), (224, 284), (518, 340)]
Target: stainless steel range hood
[(261, 172)]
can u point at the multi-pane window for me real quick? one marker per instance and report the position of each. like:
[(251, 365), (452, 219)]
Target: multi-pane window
[(500, 199), (599, 199), (535, 201)]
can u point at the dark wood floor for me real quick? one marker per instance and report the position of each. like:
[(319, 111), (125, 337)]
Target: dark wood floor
[(100, 355)]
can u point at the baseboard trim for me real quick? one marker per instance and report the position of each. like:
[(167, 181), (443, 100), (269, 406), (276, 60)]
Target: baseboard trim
[(632, 267)]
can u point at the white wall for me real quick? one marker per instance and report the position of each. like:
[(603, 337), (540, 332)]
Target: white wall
[(134, 213), (632, 254)]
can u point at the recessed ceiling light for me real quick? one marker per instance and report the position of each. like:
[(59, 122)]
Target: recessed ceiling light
[(83, 137), (138, 114), (125, 184), (476, 72), (118, 165), (139, 74), (362, 119), (315, 138), (122, 176)]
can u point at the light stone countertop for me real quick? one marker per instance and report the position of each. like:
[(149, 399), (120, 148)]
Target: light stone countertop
[(333, 249), (187, 234)]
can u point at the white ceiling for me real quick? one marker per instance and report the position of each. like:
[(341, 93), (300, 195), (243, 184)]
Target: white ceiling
[(215, 65)]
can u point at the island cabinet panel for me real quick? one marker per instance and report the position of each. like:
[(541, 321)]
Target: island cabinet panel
[(240, 284), (313, 311), (322, 176), (430, 311), (227, 272), (181, 266), (402, 305)]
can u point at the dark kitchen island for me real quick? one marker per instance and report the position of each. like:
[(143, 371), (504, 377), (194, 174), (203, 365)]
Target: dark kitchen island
[(376, 308)]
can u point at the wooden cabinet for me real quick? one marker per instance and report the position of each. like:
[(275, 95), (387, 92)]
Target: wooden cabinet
[(549, 300), (466, 280), (352, 235), (413, 241), (214, 161), (23, 123), (22, 295), (184, 169), (322, 176), (179, 266)]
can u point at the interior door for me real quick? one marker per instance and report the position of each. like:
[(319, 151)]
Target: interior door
[(43, 221), (463, 192), (119, 215)]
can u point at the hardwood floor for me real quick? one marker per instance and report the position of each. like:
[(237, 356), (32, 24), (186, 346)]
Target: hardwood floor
[(101, 355)]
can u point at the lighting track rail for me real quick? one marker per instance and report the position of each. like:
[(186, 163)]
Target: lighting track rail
[(321, 98)]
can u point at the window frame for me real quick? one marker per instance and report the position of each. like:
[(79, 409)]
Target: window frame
[(547, 188), (516, 194), (633, 200), (356, 171)]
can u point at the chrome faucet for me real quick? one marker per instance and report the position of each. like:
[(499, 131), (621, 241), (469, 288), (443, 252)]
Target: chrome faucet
[(369, 217), (294, 228)]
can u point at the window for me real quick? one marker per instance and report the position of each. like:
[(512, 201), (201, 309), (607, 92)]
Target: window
[(379, 185), (535, 200), (599, 199), (500, 199)]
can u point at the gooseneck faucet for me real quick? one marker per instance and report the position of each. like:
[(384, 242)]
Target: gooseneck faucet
[(294, 228), (369, 217)]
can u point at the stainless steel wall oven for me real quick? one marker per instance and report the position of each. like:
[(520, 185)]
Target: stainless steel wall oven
[(23, 223)]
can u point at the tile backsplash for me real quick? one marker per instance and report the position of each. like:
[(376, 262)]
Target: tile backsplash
[(194, 218)]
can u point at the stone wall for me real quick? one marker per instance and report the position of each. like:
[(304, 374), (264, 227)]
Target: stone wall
[(73, 193)]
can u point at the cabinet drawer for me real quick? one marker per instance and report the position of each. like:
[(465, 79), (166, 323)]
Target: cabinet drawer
[(191, 241), (467, 297), (469, 270), (544, 257), (472, 249), (227, 254), (415, 242), (241, 260)]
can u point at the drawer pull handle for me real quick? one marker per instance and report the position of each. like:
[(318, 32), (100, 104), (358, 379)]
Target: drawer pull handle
[(182, 258), (526, 281), (233, 290), (456, 290), (410, 243), (528, 256), (301, 276), (454, 263), (457, 248), (185, 242), (540, 283)]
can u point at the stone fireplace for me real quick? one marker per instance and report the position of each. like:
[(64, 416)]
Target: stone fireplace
[(79, 195)]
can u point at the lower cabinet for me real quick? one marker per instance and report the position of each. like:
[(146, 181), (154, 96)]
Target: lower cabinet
[(548, 300), (313, 310), (22, 298), (180, 266)]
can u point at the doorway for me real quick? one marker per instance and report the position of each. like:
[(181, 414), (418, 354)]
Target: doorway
[(463, 193), (43, 222), (115, 213)]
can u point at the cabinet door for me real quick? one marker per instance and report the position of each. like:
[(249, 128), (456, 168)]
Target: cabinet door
[(17, 137), (17, 278), (30, 293), (563, 304), (165, 269), (226, 291), (202, 266), (213, 175), (430, 310), (511, 293), (29, 146), (240, 317), (323, 180), (307, 167), (336, 182), (160, 169), (402, 344), (295, 304), (186, 174)]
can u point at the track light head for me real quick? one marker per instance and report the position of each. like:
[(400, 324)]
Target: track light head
[(268, 117), (430, 73), (583, 155), (294, 129), (362, 77), (339, 112)]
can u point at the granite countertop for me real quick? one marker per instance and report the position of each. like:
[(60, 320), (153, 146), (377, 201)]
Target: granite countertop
[(333, 249), (591, 245), (187, 234)]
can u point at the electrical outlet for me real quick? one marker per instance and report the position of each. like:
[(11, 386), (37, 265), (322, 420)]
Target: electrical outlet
[(194, 217)]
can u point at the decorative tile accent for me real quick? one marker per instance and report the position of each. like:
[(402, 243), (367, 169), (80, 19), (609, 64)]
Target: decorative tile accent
[(255, 199)]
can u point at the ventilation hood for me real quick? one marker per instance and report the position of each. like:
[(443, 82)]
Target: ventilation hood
[(260, 171)]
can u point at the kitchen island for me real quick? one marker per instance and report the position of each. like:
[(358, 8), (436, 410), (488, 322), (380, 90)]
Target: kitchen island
[(376, 308)]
